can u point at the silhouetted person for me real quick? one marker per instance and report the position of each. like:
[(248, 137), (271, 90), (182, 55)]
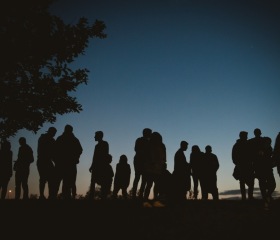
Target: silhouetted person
[(255, 146), (6, 167), (243, 165), (99, 162), (164, 187), (211, 166), (107, 178), (155, 168), (181, 174), (196, 164), (45, 163), (142, 155), (276, 153), (264, 170), (68, 150), (122, 177), (22, 169)]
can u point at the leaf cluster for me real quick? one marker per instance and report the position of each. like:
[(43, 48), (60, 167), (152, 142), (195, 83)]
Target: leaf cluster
[(36, 78)]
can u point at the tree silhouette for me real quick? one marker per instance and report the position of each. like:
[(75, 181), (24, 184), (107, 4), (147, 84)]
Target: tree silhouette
[(37, 49)]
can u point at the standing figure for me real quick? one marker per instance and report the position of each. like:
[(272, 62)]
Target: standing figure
[(211, 166), (255, 148), (67, 154), (142, 155), (6, 167), (164, 190), (99, 162), (45, 163), (264, 170), (107, 178), (243, 165), (22, 169), (181, 174), (196, 164), (122, 177), (155, 168)]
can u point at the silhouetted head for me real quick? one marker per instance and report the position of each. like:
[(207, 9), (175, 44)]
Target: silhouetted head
[(147, 132), (68, 129), (22, 141), (208, 149), (195, 148), (98, 136), (184, 145), (156, 137), (123, 159), (243, 135), (257, 132), (267, 141), (52, 131)]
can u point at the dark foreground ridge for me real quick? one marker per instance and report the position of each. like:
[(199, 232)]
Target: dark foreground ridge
[(224, 219)]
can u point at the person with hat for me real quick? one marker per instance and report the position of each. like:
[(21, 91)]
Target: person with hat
[(45, 162)]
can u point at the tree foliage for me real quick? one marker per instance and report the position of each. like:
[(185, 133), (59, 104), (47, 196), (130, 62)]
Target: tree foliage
[(36, 79)]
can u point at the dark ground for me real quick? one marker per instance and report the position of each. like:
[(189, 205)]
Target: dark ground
[(225, 219)]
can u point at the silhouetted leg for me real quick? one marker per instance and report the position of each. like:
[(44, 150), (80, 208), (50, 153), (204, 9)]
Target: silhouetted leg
[(73, 177), (215, 194), (17, 185), (42, 184), (148, 188), (250, 185), (271, 185), (66, 187), (242, 189), (105, 190), (51, 186), (115, 191), (92, 187), (143, 185), (135, 183), (156, 191), (262, 185), (42, 180), (124, 193), (195, 186), (51, 183), (57, 180), (25, 184)]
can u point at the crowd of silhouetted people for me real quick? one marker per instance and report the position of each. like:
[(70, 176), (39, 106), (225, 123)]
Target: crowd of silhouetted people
[(57, 161)]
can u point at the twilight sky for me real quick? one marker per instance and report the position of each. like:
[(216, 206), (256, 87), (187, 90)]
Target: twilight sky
[(194, 70)]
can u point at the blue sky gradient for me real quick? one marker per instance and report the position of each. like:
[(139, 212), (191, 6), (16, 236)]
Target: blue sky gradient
[(199, 71)]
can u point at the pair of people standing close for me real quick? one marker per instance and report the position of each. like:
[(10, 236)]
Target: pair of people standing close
[(253, 158), (57, 162), (204, 167), (150, 166), (100, 169), (141, 159), (102, 173)]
